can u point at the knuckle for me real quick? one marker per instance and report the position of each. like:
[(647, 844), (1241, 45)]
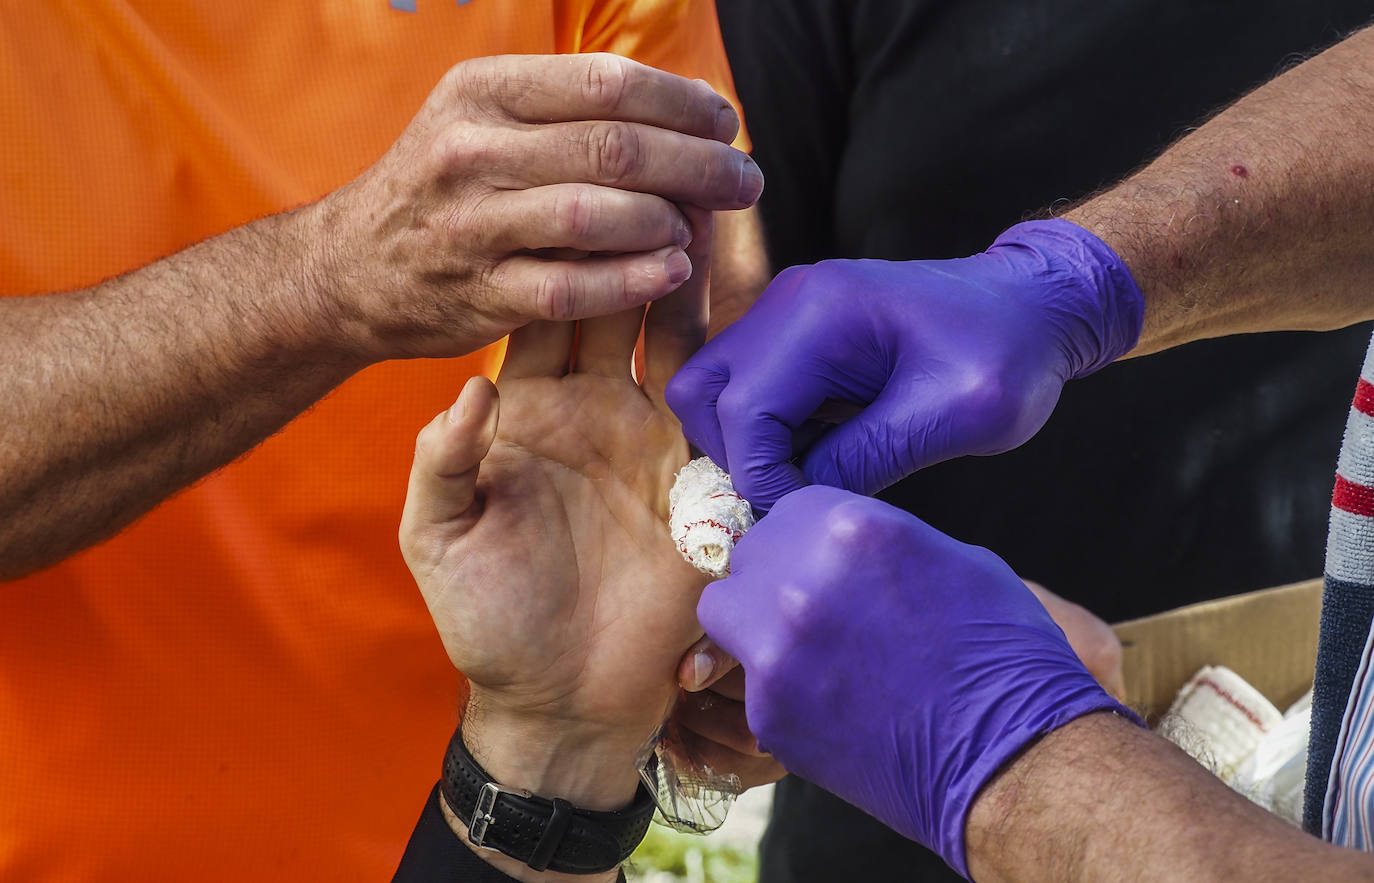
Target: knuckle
[(987, 563), (574, 213), (457, 77), (1102, 652), (427, 440), (721, 167), (683, 390), (476, 78), (734, 406), (819, 281), (555, 297), (847, 528), (478, 225), (604, 85), (812, 291), (634, 284), (614, 151), (802, 611), (987, 395), (455, 149), (792, 275)]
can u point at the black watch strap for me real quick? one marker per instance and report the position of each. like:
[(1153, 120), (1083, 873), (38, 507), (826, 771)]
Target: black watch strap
[(545, 834)]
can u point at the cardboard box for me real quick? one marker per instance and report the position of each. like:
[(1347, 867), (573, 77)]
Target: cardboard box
[(1268, 637)]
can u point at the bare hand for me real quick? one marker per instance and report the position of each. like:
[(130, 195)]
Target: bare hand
[(713, 726), (528, 187), (549, 572)]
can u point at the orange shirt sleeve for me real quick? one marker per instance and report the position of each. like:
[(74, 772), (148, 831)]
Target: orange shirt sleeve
[(681, 36)]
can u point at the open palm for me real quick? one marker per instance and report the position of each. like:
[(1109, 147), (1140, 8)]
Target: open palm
[(549, 571)]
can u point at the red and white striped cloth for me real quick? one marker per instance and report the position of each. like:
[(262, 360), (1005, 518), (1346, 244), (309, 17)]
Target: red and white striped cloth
[(1344, 689)]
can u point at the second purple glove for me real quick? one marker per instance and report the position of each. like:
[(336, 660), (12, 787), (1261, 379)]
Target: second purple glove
[(950, 358), (888, 663)]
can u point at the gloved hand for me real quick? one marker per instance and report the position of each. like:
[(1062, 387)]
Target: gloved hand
[(950, 357), (888, 663)]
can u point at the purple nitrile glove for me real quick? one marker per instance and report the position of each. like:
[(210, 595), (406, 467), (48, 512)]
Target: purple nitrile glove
[(888, 663), (950, 357)]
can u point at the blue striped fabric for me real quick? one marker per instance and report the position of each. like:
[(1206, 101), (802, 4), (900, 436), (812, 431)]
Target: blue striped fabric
[(1340, 766)]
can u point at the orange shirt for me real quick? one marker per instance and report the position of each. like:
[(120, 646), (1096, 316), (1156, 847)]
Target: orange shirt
[(245, 685)]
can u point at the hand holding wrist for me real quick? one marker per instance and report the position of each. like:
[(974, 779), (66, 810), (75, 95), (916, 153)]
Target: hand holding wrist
[(580, 159)]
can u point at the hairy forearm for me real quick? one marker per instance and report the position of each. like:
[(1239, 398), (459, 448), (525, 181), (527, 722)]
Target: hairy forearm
[(1259, 219), (1101, 799), (118, 395)]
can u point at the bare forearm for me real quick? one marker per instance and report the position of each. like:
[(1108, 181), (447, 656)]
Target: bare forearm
[(119, 395), (1260, 219), (1101, 799)]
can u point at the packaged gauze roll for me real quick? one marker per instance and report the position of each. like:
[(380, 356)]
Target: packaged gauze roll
[(1232, 729)]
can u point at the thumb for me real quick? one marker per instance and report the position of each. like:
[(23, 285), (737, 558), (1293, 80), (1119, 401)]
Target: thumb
[(702, 665), (724, 615), (443, 477)]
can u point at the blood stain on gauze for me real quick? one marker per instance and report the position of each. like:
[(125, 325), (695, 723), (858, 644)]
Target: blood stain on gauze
[(707, 517)]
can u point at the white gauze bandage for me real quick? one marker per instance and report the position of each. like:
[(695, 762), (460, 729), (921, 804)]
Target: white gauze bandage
[(706, 516), (1232, 729)]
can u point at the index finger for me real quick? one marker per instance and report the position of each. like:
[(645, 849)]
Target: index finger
[(599, 86)]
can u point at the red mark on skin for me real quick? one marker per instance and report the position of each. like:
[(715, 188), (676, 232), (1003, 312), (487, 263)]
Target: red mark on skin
[(1240, 171)]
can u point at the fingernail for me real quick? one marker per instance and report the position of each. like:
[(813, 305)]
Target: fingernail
[(727, 123), (751, 182), (683, 237), (678, 267), (702, 666)]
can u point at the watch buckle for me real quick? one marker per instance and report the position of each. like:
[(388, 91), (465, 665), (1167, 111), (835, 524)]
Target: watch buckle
[(482, 813)]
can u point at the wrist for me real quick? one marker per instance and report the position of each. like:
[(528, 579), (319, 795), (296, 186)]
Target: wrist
[(1088, 293), (330, 311), (1024, 721), (1032, 790), (592, 769), (511, 867), (587, 764), (1136, 236)]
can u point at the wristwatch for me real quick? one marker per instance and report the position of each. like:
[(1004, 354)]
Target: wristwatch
[(546, 834)]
